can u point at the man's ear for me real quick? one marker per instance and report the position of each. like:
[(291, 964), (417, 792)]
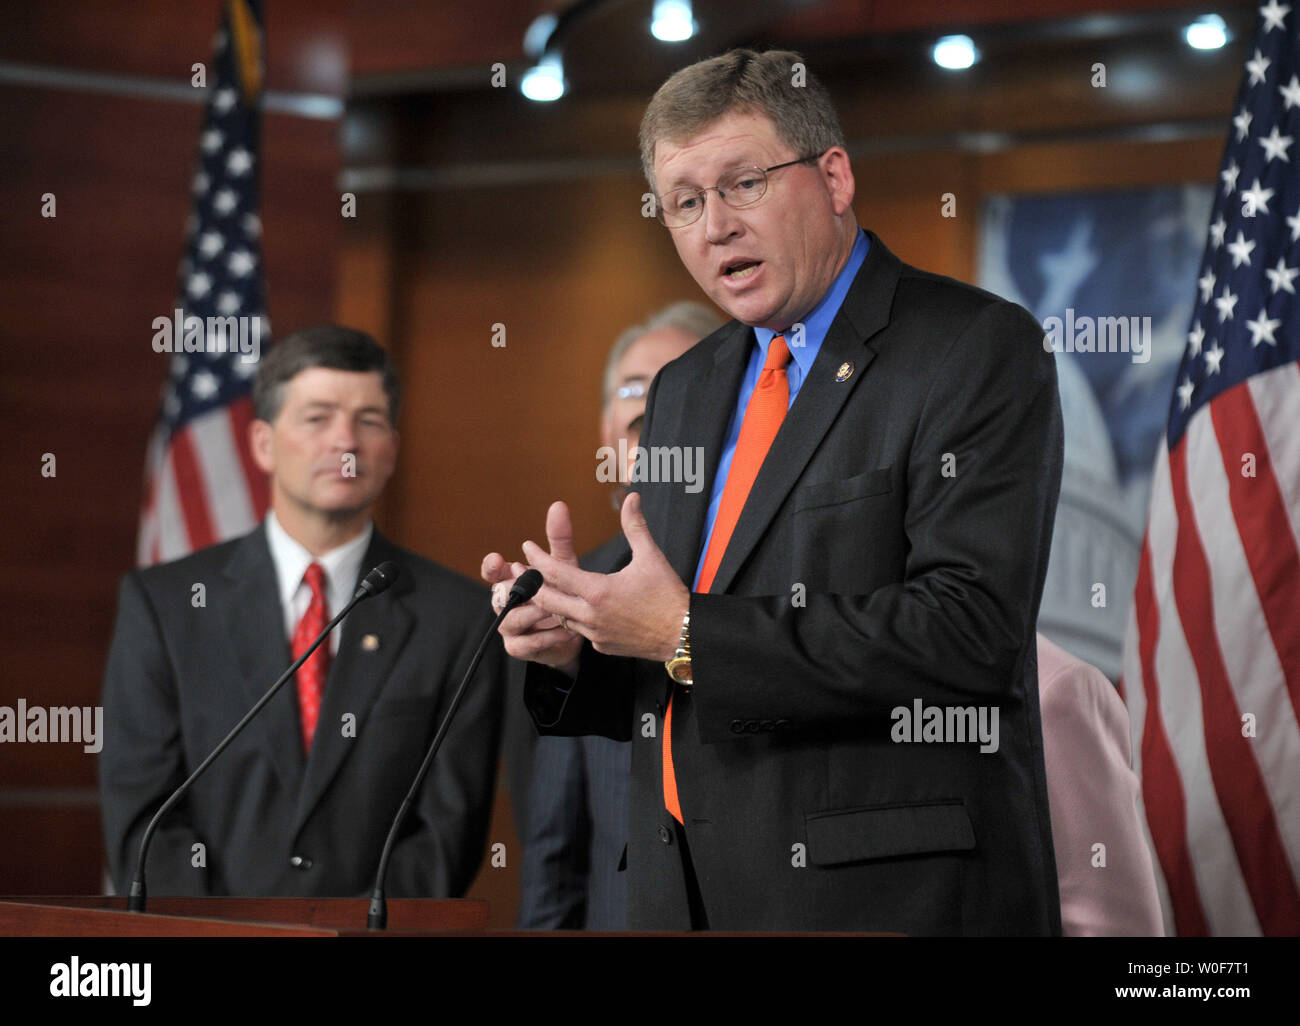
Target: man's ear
[(837, 173), (259, 444)]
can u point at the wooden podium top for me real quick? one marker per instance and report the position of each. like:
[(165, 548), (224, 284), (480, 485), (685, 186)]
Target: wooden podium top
[(103, 916)]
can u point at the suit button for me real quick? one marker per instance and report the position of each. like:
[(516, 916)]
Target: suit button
[(300, 862), (737, 727), (665, 836)]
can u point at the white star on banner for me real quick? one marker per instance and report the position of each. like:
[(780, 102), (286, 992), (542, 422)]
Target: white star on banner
[(199, 285), (1216, 231), (225, 99), (1242, 121), (1262, 328), (241, 262), (1255, 200), (1206, 284), (210, 244), (239, 161), (224, 202), (1229, 175), (1225, 303), (204, 385), (1185, 391), (1257, 66), (211, 140), (1291, 93), (1213, 357), (1281, 277), (1273, 13), (1275, 145), (1240, 250), (1196, 336), (228, 303), (1294, 222)]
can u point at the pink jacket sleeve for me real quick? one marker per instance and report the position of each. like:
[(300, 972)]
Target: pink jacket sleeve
[(1093, 793)]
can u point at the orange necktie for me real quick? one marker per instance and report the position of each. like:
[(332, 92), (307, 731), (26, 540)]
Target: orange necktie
[(763, 416), (312, 674)]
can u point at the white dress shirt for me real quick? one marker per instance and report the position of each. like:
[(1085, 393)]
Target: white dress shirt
[(342, 574)]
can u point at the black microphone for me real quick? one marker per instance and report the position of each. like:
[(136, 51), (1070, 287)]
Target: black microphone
[(523, 589), (376, 581)]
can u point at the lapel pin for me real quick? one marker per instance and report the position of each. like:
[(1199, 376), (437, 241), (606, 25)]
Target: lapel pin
[(370, 642), (845, 372)]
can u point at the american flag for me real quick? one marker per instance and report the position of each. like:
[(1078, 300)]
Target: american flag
[(1212, 653), (201, 484)]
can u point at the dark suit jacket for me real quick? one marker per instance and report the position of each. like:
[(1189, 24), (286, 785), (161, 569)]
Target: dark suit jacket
[(893, 548), (576, 827), (272, 821)]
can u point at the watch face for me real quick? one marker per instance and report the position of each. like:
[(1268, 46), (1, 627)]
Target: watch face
[(680, 670)]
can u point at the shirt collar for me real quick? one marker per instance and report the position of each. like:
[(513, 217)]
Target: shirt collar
[(818, 322), (342, 565)]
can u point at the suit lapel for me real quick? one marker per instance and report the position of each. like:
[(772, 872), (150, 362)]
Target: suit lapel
[(372, 636), (706, 410), (255, 626), (863, 314)]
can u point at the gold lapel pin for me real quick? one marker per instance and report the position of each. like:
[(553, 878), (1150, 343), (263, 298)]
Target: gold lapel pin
[(845, 372), (370, 642)]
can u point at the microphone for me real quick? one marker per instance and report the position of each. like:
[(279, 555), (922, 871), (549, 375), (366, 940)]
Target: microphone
[(379, 579), (524, 588)]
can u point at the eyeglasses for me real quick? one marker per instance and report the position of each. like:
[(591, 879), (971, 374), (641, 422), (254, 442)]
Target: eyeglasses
[(742, 187), (636, 390)]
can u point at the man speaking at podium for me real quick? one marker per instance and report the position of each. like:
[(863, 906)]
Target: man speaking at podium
[(825, 658), (301, 802)]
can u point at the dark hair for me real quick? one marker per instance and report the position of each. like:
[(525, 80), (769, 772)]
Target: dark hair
[(325, 345)]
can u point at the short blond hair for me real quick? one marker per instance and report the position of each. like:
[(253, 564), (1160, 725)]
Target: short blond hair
[(742, 81)]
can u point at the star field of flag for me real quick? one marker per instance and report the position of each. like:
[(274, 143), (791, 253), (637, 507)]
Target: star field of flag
[(220, 274), (202, 485), (1246, 304)]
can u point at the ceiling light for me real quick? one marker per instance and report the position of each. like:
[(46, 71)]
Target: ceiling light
[(955, 52)]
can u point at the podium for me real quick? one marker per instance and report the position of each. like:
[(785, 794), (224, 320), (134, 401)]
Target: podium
[(103, 916)]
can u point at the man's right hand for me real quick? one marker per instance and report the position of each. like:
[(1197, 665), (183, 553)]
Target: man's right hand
[(530, 632)]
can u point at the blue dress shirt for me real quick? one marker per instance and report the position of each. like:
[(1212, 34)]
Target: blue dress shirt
[(816, 324)]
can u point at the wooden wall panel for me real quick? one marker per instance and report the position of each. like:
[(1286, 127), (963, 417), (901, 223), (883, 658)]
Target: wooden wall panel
[(78, 377)]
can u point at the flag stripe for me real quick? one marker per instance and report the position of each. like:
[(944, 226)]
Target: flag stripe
[(229, 507), (259, 491), (1277, 402), (1162, 791), (1243, 799), (191, 492), (173, 538), (1251, 661), (1222, 892)]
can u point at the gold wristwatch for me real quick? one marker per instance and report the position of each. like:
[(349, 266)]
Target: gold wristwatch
[(679, 666)]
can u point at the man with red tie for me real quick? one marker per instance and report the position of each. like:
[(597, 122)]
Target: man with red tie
[(301, 802), (801, 655)]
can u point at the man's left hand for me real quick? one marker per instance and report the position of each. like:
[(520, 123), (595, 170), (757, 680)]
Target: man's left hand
[(636, 612)]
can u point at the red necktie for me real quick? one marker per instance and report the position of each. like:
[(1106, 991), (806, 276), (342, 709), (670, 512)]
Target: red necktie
[(312, 674), (763, 416)]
